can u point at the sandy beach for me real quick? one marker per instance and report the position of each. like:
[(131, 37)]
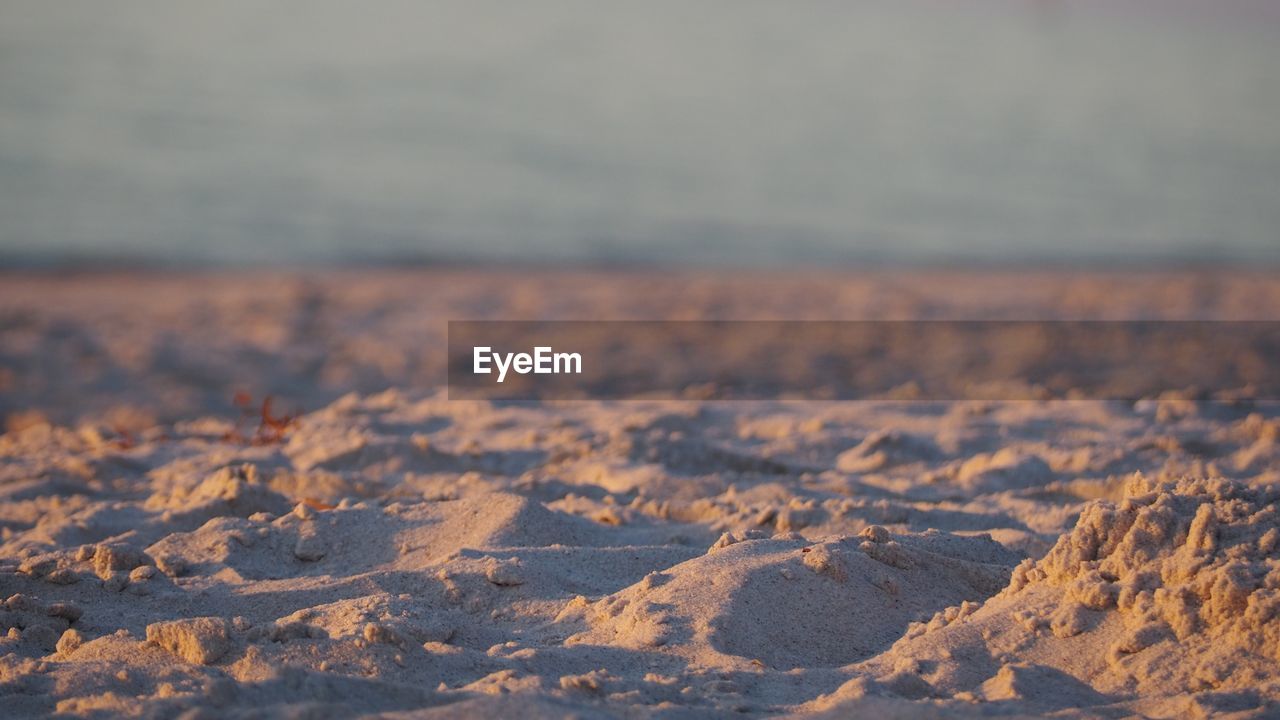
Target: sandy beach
[(889, 359), (364, 546)]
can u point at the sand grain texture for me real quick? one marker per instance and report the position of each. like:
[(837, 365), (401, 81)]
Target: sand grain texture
[(398, 554)]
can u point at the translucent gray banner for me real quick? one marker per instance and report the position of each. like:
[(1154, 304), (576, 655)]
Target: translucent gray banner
[(903, 360)]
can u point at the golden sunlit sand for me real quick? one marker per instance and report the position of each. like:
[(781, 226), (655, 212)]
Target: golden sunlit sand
[(173, 543)]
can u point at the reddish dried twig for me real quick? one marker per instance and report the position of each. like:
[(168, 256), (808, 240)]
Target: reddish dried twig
[(315, 504), (271, 428)]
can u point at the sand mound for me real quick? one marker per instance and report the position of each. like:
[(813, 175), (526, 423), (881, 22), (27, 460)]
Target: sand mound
[(884, 449), (1191, 567), (359, 537), (1172, 596), (790, 603), (1005, 469)]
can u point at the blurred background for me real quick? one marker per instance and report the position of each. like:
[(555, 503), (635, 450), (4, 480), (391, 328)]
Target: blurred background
[(716, 133)]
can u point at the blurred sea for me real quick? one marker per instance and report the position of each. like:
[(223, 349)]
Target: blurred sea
[(718, 132)]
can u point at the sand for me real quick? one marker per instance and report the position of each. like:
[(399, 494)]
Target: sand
[(390, 552)]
